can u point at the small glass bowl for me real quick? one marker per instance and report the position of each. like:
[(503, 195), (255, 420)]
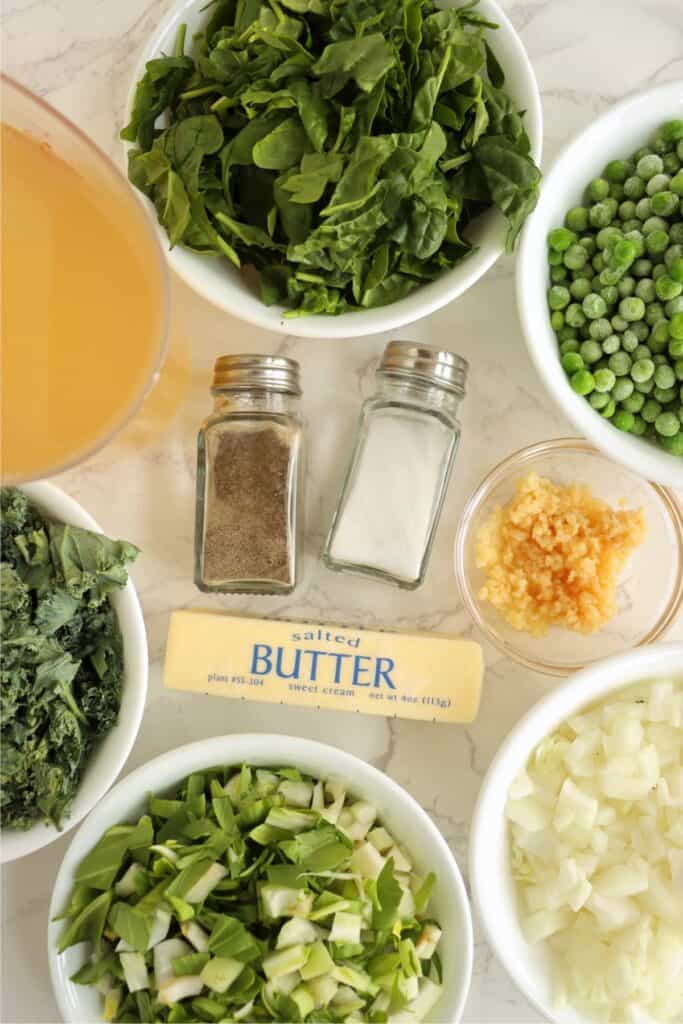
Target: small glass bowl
[(650, 592)]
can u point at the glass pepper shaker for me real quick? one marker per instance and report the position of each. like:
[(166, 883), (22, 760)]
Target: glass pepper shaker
[(249, 478), (396, 480)]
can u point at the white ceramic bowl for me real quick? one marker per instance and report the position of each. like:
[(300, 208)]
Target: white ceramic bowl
[(220, 283), (493, 890), (109, 756), (618, 133), (399, 812)]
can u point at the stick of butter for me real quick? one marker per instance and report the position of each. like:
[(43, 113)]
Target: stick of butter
[(410, 675)]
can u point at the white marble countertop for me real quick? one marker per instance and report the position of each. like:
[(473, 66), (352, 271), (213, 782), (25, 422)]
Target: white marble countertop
[(78, 54)]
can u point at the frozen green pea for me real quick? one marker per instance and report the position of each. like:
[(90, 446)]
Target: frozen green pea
[(656, 242), (667, 424), (580, 288), (582, 382), (658, 183), (570, 345), (598, 189), (635, 402), (560, 239), (642, 370), (555, 258), (604, 379), (648, 166), (659, 270), (676, 269), (643, 208), (641, 330), (587, 242), (626, 286), (664, 376), (667, 288), (629, 341), (622, 389), (630, 225), (675, 306), (567, 333), (673, 445), (642, 352), (557, 320), (575, 257), (627, 209), (611, 344), (576, 219), (671, 164), (607, 236), (672, 131), (642, 268), (665, 395), (591, 351), (616, 171), (572, 363), (623, 420), (632, 308), (645, 289), (574, 315), (664, 203), (676, 232), (634, 187), (558, 274), (610, 293), (594, 306), (659, 335), (599, 399), (619, 323), (620, 363), (676, 327), (616, 191), (600, 329), (609, 409), (653, 313), (676, 183), (596, 284), (646, 387), (650, 410), (675, 348), (600, 214), (639, 426), (659, 360), (598, 262), (558, 297)]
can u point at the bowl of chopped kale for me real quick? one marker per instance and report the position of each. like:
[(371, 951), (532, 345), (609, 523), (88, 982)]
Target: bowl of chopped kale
[(73, 665), (335, 168)]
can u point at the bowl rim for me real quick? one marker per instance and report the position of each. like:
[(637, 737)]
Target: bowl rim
[(426, 299), (671, 507), (635, 454), (581, 689), (142, 212), (15, 844), (263, 747)]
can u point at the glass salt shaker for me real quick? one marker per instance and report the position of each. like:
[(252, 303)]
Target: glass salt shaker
[(396, 480), (249, 478)]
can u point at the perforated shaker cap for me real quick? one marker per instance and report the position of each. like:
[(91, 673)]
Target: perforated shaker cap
[(429, 365)]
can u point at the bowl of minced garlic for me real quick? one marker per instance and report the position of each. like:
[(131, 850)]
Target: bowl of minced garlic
[(564, 557)]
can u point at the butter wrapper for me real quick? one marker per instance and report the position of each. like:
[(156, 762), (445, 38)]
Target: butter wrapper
[(428, 676)]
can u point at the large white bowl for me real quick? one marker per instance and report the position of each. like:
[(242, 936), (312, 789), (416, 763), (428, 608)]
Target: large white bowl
[(399, 812), (220, 283), (618, 133), (109, 756), (493, 890)]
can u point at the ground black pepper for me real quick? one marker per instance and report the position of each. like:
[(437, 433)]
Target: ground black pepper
[(247, 528)]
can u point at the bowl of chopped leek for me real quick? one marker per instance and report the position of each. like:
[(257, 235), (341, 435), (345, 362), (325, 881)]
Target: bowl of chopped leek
[(74, 664), (264, 878), (576, 850), (347, 168)]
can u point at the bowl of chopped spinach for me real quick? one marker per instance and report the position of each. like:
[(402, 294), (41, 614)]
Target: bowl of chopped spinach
[(73, 672), (350, 165)]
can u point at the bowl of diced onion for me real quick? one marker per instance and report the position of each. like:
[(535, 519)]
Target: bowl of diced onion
[(332, 791), (576, 852)]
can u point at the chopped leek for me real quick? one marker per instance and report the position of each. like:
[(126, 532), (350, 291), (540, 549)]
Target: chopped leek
[(259, 894)]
